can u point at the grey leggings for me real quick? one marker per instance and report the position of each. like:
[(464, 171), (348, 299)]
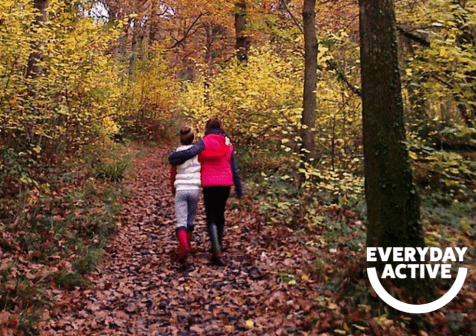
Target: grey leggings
[(186, 209)]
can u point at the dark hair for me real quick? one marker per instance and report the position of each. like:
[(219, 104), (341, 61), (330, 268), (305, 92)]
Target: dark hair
[(213, 123), (186, 136)]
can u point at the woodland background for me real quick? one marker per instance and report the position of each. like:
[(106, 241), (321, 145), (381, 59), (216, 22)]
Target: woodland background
[(85, 84)]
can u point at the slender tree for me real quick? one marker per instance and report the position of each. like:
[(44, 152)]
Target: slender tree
[(134, 45), (242, 42), (33, 68), (393, 205), (310, 79)]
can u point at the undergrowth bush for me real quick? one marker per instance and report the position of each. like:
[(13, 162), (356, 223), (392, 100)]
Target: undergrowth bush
[(110, 170), (58, 233), (445, 177)]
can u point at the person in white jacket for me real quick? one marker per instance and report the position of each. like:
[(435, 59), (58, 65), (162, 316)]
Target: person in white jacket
[(186, 182)]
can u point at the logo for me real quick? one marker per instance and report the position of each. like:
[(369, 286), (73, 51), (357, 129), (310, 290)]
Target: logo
[(416, 270)]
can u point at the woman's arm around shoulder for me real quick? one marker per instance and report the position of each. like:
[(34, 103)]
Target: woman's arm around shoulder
[(177, 158)]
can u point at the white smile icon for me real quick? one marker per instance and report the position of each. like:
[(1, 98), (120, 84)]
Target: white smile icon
[(413, 308)]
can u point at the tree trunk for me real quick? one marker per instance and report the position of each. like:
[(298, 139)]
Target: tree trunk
[(463, 110), (208, 59), (242, 42), (310, 80), (393, 205), (33, 69), (145, 30), (133, 56), (146, 40)]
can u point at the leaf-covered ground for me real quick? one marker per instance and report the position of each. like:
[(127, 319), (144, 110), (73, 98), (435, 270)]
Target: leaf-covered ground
[(276, 281)]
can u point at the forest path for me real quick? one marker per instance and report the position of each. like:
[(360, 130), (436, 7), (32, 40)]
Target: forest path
[(141, 289)]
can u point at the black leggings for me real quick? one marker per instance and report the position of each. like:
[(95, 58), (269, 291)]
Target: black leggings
[(215, 201)]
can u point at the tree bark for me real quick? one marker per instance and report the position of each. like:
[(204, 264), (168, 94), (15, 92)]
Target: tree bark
[(208, 59), (465, 114), (393, 205), (310, 80), (242, 42), (133, 56), (146, 40), (33, 69)]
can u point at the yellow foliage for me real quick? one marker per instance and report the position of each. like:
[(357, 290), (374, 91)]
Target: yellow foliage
[(151, 93), (74, 90), (69, 100), (257, 101), (260, 103)]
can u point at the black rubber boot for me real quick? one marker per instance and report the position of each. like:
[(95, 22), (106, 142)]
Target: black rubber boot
[(220, 235), (214, 238), (216, 247), (218, 260)]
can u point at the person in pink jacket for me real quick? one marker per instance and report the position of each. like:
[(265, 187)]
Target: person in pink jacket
[(218, 173)]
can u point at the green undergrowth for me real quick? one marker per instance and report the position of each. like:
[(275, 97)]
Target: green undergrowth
[(335, 263), (54, 235), (325, 213), (297, 196)]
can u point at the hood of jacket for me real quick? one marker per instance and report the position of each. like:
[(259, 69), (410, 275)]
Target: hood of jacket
[(217, 145)]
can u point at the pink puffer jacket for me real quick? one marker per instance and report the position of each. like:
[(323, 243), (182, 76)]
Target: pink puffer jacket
[(216, 161)]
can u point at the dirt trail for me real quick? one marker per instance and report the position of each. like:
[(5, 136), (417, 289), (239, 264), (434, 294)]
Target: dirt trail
[(274, 283), (142, 290)]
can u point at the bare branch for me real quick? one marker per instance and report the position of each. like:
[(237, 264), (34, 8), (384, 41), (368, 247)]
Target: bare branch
[(413, 37), (188, 31), (341, 76), (296, 22)]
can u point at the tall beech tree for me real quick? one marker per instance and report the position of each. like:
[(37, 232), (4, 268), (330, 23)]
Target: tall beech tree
[(310, 79), (393, 205)]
